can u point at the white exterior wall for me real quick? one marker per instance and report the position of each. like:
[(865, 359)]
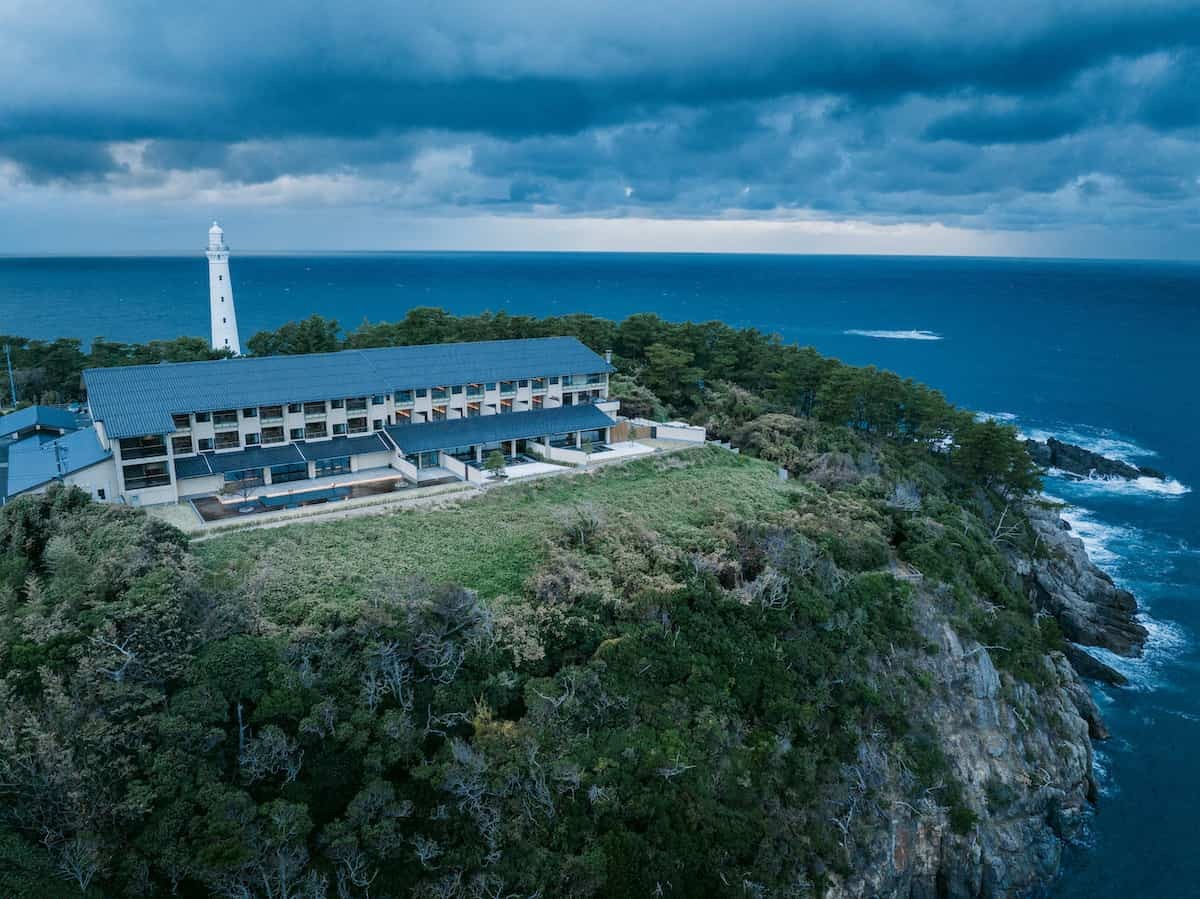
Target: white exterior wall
[(205, 486), (94, 478), (678, 430), (372, 460)]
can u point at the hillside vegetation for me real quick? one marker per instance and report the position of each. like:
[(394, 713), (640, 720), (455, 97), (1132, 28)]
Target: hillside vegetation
[(675, 676)]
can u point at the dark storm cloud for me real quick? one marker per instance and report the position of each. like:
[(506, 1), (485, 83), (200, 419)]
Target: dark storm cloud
[(972, 113)]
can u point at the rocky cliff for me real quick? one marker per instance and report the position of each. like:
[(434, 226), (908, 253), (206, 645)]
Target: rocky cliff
[(1019, 750), (1089, 607), (1022, 759)]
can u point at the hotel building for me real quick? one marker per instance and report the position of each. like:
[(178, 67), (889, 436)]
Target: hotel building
[(164, 432)]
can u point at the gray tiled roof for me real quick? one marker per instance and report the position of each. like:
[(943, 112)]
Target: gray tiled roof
[(435, 435), (139, 399)]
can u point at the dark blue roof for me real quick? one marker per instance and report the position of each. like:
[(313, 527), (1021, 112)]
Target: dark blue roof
[(218, 463), (32, 462), (206, 464), (37, 417), (420, 438), (344, 446), (139, 399)]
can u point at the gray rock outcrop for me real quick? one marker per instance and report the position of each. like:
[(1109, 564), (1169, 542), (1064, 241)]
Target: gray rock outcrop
[(1083, 463)]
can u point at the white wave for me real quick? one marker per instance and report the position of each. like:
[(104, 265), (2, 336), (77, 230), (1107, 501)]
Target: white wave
[(1164, 642), (1103, 542), (1122, 486), (1006, 417), (895, 335)]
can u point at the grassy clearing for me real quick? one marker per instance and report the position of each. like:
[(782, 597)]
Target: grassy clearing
[(492, 543)]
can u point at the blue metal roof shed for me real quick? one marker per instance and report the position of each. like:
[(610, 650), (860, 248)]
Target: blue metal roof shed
[(33, 462), (139, 399), (37, 417)]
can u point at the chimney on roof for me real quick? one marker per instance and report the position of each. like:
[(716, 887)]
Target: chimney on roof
[(608, 356)]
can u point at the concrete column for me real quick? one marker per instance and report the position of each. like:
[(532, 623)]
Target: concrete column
[(479, 452)]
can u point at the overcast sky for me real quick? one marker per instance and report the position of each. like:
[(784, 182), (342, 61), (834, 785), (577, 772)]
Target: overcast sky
[(1024, 128)]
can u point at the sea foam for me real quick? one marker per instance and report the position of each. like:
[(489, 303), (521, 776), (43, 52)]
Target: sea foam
[(895, 335)]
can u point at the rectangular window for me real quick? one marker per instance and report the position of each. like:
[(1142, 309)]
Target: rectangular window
[(358, 404), (403, 416), (181, 422), (272, 413), (538, 402), (421, 392), (377, 424), (490, 385), (228, 440), (148, 474), (472, 410), (474, 391), (439, 413), (225, 417), (339, 429), (337, 404), (205, 444), (314, 408), (357, 425), (554, 379), (315, 430), (272, 435), (438, 393), (457, 389), (377, 399), (296, 433), (505, 406), (339, 465), (295, 471), (143, 447), (252, 439), (425, 460), (246, 478), (202, 416), (522, 383), (249, 413), (293, 407), (539, 384), (181, 446), (404, 396)]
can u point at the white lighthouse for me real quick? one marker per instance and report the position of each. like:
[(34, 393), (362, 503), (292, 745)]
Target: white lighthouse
[(220, 294)]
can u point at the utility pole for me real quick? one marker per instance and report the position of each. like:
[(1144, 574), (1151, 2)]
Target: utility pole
[(12, 384)]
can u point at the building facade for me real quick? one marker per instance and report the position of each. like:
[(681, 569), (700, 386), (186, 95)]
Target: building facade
[(425, 412)]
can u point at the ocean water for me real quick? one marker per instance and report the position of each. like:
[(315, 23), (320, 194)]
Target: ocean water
[(1104, 354)]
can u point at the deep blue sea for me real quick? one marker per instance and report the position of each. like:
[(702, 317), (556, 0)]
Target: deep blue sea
[(1100, 353)]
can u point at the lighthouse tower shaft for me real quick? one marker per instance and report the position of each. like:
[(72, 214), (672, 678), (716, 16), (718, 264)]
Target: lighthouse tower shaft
[(220, 294)]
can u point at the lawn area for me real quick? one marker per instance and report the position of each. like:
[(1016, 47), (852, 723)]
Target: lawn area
[(493, 542)]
